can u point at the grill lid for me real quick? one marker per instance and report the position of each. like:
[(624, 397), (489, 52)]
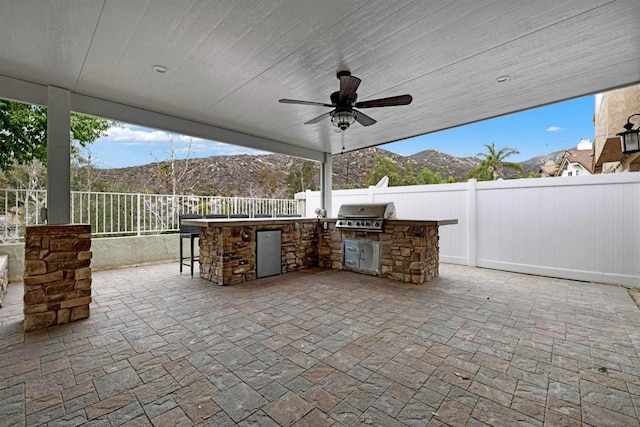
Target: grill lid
[(367, 210), (365, 217)]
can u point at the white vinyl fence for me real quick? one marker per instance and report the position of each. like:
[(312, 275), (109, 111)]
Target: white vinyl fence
[(581, 228), (126, 214)]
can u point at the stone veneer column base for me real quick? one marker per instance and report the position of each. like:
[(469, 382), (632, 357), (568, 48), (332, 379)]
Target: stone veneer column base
[(57, 276)]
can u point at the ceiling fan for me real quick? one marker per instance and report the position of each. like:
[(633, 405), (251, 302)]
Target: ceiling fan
[(344, 104)]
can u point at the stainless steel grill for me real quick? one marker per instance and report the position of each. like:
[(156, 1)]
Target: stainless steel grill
[(365, 217)]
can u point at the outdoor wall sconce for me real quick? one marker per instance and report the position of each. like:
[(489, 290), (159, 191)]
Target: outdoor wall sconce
[(629, 138)]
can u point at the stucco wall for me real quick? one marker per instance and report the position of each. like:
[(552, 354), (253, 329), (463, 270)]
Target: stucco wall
[(111, 252), (612, 110), (15, 252)]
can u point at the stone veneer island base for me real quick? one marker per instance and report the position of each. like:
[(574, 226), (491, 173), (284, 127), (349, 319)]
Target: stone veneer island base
[(57, 276), (408, 248)]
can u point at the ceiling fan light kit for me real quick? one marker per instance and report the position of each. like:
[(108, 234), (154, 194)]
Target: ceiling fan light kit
[(344, 104), (343, 119)]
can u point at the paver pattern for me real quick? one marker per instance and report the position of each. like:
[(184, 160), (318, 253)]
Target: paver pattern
[(474, 347)]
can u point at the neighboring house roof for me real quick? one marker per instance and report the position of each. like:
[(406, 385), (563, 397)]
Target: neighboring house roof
[(548, 169), (583, 157)]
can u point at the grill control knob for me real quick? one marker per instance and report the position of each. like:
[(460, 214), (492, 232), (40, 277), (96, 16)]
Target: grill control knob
[(376, 224), (349, 223), (358, 223), (368, 224)]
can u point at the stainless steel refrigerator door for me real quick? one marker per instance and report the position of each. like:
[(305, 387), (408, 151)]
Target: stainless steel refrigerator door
[(268, 253)]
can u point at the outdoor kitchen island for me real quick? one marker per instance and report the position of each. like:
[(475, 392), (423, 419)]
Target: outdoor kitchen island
[(408, 249)]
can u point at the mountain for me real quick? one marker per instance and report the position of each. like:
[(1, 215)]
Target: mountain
[(447, 165), (534, 163), (266, 175)]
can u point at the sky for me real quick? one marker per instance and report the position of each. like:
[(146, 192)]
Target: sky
[(533, 132)]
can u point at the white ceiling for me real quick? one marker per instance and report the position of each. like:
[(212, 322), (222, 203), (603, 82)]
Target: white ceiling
[(230, 61)]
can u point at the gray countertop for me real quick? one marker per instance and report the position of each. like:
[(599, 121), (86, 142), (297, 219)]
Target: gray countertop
[(230, 222)]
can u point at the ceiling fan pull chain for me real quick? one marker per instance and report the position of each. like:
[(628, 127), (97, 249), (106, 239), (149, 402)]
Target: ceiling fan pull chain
[(346, 179)]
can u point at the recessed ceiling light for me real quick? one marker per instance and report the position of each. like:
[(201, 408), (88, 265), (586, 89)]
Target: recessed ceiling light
[(502, 79), (160, 69)]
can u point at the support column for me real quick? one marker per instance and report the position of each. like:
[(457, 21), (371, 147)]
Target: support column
[(326, 184), (472, 229), (58, 156)]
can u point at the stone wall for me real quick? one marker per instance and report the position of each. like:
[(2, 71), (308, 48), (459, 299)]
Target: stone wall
[(57, 276), (408, 249), (410, 253), (228, 253), (329, 245), (299, 245)]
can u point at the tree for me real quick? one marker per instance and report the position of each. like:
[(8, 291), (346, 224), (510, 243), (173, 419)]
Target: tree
[(23, 132), (427, 176), (85, 176), (384, 166), (268, 180), (29, 176), (409, 177), (303, 178), (493, 163), (171, 171)]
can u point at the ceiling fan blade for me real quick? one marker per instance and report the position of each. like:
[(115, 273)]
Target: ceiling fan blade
[(295, 101), (385, 102), (348, 87), (363, 119), (317, 119)]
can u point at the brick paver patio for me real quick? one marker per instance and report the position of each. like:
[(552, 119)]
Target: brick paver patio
[(475, 347)]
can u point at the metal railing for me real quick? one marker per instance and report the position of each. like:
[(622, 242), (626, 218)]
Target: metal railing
[(126, 214)]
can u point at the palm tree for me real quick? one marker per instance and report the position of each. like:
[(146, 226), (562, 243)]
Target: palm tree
[(493, 163)]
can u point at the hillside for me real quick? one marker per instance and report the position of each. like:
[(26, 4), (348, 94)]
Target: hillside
[(534, 163), (447, 165), (265, 175)]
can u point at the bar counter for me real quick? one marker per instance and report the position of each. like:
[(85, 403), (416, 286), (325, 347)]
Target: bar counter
[(408, 248)]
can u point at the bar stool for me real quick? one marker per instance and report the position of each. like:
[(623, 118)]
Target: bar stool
[(190, 232), (212, 216)]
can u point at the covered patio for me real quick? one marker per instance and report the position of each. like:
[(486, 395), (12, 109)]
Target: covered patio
[(476, 347), (473, 347), (216, 70)]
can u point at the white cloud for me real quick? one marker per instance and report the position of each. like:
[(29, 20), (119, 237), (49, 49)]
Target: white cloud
[(554, 129), (211, 148), (131, 136), (135, 137), (148, 145)]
